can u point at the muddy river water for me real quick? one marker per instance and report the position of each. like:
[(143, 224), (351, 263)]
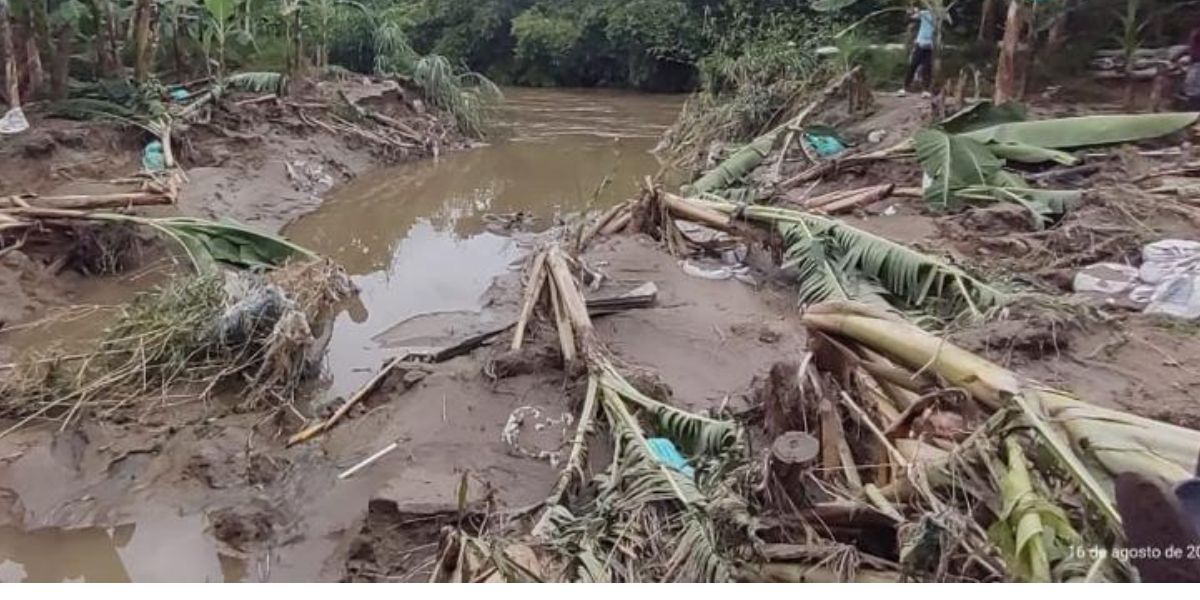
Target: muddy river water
[(416, 238), (423, 237)]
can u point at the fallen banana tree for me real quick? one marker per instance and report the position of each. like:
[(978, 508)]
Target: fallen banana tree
[(205, 243), (646, 517), (965, 159), (929, 464), (833, 259), (1041, 462)]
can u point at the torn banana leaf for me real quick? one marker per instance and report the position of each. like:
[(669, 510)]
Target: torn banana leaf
[(1078, 132), (983, 114), (953, 162)]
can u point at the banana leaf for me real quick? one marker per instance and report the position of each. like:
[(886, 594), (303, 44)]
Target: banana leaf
[(1077, 132), (1026, 153), (983, 114), (953, 162), (1031, 532)]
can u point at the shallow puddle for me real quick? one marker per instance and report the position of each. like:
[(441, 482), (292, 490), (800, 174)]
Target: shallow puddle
[(156, 549), (417, 238)]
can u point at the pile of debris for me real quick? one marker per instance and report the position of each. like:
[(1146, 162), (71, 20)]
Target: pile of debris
[(888, 453), (263, 334)]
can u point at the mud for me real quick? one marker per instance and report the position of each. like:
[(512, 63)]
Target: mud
[(269, 512), (240, 505)]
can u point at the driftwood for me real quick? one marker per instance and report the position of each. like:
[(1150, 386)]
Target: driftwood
[(88, 202), (532, 293), (683, 209), (840, 201), (358, 396), (600, 225)]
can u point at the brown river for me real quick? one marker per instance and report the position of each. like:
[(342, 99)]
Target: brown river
[(416, 238)]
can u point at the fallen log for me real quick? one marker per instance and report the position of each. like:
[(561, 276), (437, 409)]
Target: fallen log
[(681, 208), (88, 202), (865, 197)]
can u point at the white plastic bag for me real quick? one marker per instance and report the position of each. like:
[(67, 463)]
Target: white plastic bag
[(14, 121)]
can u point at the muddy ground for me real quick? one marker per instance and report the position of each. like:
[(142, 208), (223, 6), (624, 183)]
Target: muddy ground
[(242, 506)]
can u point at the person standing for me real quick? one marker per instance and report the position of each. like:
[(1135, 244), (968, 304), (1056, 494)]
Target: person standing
[(921, 62)]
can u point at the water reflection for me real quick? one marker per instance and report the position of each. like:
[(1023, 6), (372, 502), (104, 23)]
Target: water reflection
[(156, 548)]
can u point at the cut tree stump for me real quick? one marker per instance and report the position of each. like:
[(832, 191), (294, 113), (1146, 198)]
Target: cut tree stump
[(792, 454)]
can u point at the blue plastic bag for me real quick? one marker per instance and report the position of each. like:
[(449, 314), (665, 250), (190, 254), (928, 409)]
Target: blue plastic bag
[(153, 159), (664, 451), (825, 145)]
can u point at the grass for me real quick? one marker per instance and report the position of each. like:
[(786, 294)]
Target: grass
[(468, 97)]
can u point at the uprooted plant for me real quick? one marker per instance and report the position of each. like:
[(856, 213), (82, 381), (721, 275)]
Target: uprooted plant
[(261, 330), (645, 517)]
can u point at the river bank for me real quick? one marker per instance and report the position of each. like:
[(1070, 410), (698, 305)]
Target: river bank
[(250, 507)]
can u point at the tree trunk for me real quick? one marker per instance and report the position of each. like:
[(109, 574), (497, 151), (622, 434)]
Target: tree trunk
[(986, 24), (182, 66), (39, 20), (34, 76), (59, 69), (1058, 31), (1007, 62), (141, 40), (11, 79)]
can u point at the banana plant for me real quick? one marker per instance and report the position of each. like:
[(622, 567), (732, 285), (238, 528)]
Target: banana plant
[(220, 27)]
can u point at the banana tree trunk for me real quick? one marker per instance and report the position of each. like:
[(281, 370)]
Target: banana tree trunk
[(105, 61), (34, 74), (62, 57), (182, 66), (11, 79), (39, 21), (141, 39), (1007, 63), (987, 14)]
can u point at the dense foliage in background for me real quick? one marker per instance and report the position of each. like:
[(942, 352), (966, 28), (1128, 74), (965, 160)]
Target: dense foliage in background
[(657, 45)]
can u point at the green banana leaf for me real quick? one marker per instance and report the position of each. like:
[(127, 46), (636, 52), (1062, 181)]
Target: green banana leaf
[(983, 114), (953, 162), (1024, 153), (1031, 533), (1077, 132)]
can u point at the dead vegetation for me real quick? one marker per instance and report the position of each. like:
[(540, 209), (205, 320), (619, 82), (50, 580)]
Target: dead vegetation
[(888, 453), (186, 341)]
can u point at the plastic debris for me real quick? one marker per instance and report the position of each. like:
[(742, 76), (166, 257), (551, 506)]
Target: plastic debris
[(825, 145), (665, 452), (1168, 281), (179, 94), (153, 159), (14, 121)]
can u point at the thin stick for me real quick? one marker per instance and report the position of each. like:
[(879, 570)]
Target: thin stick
[(865, 419), (864, 196), (368, 460), (362, 392), (600, 223), (835, 450)]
